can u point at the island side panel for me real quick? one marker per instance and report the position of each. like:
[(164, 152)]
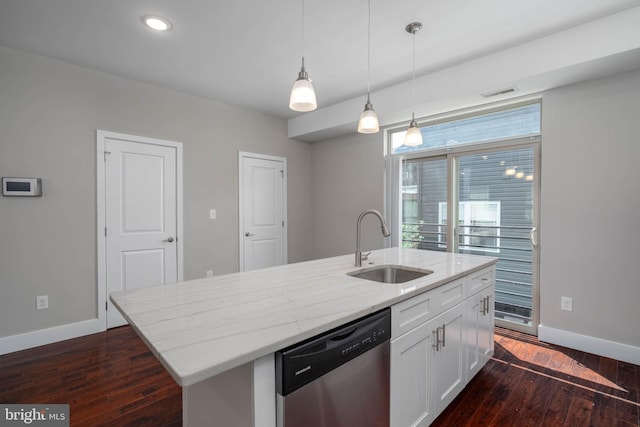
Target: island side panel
[(241, 397), (223, 400)]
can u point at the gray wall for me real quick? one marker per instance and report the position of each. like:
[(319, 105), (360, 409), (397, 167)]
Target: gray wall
[(49, 113), (590, 208), (590, 204), (347, 178)]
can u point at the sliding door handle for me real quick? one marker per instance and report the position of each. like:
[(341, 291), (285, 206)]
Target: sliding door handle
[(533, 236)]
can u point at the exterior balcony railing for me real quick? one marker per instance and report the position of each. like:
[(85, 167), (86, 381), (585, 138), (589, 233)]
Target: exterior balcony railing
[(509, 243)]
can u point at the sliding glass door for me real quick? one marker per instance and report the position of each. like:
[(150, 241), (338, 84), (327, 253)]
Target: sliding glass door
[(487, 200), (497, 216)]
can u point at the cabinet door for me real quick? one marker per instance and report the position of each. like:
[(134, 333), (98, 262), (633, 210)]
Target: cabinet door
[(411, 384), (449, 356), (480, 321)]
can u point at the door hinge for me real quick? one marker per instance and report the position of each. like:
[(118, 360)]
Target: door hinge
[(282, 172), (105, 232), (283, 223), (105, 155), (106, 306)]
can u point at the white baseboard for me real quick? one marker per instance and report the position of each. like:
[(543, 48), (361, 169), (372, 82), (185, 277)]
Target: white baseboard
[(49, 335), (599, 346)]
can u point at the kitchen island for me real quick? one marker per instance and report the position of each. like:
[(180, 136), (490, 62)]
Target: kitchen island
[(216, 336)]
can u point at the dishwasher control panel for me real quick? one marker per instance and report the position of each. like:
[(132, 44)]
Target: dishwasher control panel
[(301, 363), (366, 342)]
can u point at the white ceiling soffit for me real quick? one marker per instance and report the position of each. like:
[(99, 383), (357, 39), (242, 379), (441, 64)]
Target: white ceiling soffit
[(607, 46), (247, 53)]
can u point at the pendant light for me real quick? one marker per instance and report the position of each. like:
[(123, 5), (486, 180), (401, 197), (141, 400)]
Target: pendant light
[(368, 119), (413, 137), (303, 97)]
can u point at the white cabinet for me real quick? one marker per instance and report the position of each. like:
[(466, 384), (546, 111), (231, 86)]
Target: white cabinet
[(480, 322), (439, 340), (448, 356), (411, 401)]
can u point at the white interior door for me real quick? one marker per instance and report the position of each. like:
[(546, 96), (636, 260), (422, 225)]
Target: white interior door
[(262, 211), (140, 217)]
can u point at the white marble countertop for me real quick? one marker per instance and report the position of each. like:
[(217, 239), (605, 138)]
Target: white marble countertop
[(200, 328)]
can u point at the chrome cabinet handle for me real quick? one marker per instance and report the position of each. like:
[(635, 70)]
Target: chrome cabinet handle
[(444, 336), (247, 234), (170, 239), (439, 341), (436, 334), (485, 306)]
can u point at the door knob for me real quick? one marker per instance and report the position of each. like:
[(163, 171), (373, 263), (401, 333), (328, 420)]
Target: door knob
[(247, 234), (170, 239)]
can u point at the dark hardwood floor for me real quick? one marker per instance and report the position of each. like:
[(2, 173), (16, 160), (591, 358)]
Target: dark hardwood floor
[(108, 379), (112, 379), (530, 383)]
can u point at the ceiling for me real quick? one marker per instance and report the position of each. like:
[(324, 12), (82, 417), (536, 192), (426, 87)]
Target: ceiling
[(247, 53)]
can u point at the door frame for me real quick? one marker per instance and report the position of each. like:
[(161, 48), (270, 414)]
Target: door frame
[(241, 156), (101, 138)]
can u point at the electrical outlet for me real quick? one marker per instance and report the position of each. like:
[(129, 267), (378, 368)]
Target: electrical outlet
[(209, 273), (566, 303), (42, 302)]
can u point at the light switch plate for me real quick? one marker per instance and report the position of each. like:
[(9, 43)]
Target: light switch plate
[(212, 214)]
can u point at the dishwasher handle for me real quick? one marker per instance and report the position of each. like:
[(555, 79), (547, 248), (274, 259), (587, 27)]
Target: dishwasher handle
[(302, 363)]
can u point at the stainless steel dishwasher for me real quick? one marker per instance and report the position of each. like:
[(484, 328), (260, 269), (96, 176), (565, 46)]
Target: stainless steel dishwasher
[(337, 379)]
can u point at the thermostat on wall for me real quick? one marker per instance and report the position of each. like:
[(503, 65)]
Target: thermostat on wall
[(30, 187)]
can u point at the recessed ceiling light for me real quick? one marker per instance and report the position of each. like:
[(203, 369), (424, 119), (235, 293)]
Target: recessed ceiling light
[(156, 23)]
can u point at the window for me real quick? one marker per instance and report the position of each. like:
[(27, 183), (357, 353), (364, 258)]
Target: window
[(515, 122)]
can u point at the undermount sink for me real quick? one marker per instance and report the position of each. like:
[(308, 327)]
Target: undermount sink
[(390, 273)]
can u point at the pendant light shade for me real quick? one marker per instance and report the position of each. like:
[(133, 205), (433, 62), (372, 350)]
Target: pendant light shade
[(368, 122), (413, 138), (303, 96)]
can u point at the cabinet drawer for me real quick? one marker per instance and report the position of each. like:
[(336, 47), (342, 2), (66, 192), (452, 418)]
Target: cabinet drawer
[(421, 308), (411, 313), (481, 279)]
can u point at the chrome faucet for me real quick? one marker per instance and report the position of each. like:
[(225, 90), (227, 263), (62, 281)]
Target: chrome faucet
[(383, 226)]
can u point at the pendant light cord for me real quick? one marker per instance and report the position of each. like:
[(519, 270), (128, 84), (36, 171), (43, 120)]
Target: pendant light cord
[(413, 81), (369, 55), (302, 34)]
